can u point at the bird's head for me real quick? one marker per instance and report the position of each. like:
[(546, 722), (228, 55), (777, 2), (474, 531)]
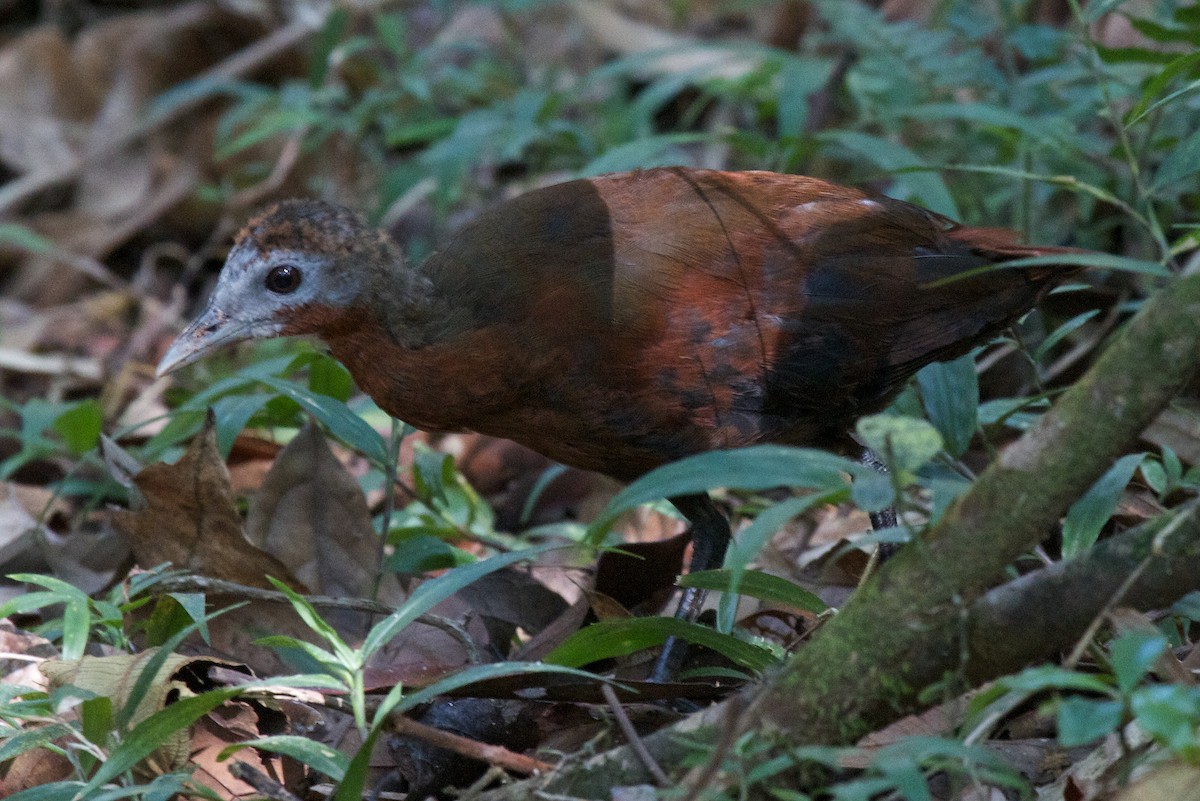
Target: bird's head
[(302, 267)]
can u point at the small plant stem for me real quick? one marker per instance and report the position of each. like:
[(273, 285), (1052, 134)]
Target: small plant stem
[(399, 430)]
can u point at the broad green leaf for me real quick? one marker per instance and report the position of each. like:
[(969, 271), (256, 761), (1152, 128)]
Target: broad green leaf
[(1040, 131), (80, 426), (950, 394), (757, 584), (417, 552), (613, 638), (799, 77), (327, 376), (1188, 606), (232, 413), (903, 443), (660, 150), (335, 416), (1085, 720), (756, 468), (1087, 516), (1052, 677), (1133, 653), (1171, 713)]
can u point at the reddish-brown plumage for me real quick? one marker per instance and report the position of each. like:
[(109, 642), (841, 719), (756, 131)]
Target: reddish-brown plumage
[(620, 322)]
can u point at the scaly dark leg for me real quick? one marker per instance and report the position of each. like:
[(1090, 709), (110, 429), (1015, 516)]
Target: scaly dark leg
[(886, 517), (710, 540)]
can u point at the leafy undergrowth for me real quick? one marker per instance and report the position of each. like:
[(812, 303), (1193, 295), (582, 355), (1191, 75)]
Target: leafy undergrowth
[(248, 582)]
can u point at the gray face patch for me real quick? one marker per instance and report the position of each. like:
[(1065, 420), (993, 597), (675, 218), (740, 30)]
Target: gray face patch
[(242, 307)]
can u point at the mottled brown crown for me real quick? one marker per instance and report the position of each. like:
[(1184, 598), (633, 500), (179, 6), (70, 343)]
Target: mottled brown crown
[(312, 226)]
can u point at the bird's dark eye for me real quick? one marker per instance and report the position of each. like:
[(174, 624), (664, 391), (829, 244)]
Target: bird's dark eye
[(283, 279)]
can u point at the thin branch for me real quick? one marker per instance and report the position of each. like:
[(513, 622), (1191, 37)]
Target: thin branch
[(464, 746)]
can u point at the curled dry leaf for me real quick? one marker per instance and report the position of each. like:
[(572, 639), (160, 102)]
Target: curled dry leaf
[(115, 677)]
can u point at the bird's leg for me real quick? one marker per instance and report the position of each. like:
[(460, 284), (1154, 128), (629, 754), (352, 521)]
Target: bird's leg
[(885, 517), (710, 539)]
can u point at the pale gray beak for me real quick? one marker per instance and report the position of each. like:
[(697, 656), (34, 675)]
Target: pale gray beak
[(209, 332)]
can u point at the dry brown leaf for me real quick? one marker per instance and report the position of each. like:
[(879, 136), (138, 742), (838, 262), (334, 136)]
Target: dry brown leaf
[(89, 557), (310, 513), (19, 529), (42, 107), (1178, 428), (34, 768), (233, 722), (189, 519)]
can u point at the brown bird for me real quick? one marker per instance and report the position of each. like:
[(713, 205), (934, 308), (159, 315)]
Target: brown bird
[(621, 322)]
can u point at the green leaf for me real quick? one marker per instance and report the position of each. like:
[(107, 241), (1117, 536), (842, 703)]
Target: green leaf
[(903, 443), (1095, 10), (77, 613), (1087, 516), (755, 468), (659, 150), (751, 540), (1052, 677), (424, 553), (434, 591), (950, 394), (1095, 261), (345, 655), (1040, 131), (927, 188), (21, 237), (1171, 713), (757, 584), (799, 77), (1060, 333), (1188, 606), (26, 740), (152, 732), (613, 638), (1155, 476), (1133, 654), (327, 376), (1181, 162), (1155, 86), (353, 784), (335, 416), (55, 791), (326, 40), (316, 755), (80, 426), (1084, 720), (232, 413), (478, 673)]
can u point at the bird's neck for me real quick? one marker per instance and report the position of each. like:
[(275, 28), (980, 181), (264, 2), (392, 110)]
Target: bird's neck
[(413, 306)]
